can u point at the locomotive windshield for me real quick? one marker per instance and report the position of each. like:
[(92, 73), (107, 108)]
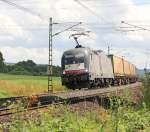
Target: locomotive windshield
[(74, 59)]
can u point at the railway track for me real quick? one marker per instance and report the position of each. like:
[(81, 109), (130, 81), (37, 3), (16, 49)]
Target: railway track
[(44, 100), (14, 110)]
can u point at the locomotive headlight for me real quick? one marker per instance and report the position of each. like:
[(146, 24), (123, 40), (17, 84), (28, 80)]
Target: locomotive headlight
[(64, 72), (86, 70)]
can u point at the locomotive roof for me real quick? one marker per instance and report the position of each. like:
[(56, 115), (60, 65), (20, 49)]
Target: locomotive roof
[(81, 49), (76, 50)]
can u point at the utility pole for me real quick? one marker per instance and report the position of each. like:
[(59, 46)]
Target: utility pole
[(50, 61), (50, 64), (108, 50)]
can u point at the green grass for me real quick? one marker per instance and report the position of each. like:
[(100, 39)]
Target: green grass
[(16, 85), (123, 120), (66, 122), (119, 118)]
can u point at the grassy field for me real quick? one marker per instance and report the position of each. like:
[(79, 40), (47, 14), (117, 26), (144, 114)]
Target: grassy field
[(16, 85), (120, 117)]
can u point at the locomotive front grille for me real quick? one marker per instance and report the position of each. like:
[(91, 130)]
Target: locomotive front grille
[(73, 78)]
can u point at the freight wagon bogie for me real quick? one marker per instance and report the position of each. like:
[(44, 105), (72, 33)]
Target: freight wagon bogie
[(100, 82), (124, 80)]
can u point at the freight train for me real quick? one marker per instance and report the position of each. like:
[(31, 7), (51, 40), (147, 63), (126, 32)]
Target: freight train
[(86, 68)]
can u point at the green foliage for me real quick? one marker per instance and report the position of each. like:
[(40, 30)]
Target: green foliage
[(146, 95), (26, 64), (18, 70), (1, 63), (125, 118), (68, 122), (27, 68), (116, 120), (121, 117), (136, 120), (30, 68)]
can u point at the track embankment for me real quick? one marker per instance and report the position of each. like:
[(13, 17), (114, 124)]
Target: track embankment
[(132, 92)]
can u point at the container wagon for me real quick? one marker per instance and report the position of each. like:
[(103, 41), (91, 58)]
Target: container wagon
[(124, 71)]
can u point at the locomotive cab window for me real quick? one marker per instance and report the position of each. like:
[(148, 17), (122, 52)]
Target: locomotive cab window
[(69, 60), (79, 60), (74, 59)]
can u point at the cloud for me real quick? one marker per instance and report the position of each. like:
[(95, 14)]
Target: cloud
[(40, 56), (6, 23), (25, 36), (139, 58)]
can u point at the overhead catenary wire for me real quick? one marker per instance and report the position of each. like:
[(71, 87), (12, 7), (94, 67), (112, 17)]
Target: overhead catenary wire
[(95, 14), (135, 26), (66, 29), (63, 24), (105, 4), (90, 10), (132, 30), (116, 5), (21, 8)]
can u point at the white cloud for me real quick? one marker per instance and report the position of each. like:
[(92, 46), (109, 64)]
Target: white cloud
[(99, 12), (40, 56), (6, 26), (137, 57)]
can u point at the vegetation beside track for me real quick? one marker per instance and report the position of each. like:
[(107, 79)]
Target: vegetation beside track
[(17, 85), (61, 119), (146, 92), (119, 118)]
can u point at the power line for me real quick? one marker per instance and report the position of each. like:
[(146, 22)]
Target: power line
[(67, 29), (132, 30), (21, 8), (135, 26), (115, 5), (92, 24), (90, 10)]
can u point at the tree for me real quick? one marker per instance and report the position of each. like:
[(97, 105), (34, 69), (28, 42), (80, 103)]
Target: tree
[(18, 70), (1, 62), (28, 63), (29, 67)]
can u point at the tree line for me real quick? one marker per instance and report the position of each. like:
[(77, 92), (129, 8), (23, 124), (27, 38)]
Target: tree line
[(28, 67)]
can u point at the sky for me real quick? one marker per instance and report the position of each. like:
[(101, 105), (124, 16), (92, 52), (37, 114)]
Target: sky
[(24, 33)]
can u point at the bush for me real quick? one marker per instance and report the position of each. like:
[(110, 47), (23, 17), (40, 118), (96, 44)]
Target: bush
[(68, 122), (19, 71), (120, 119), (146, 92)]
